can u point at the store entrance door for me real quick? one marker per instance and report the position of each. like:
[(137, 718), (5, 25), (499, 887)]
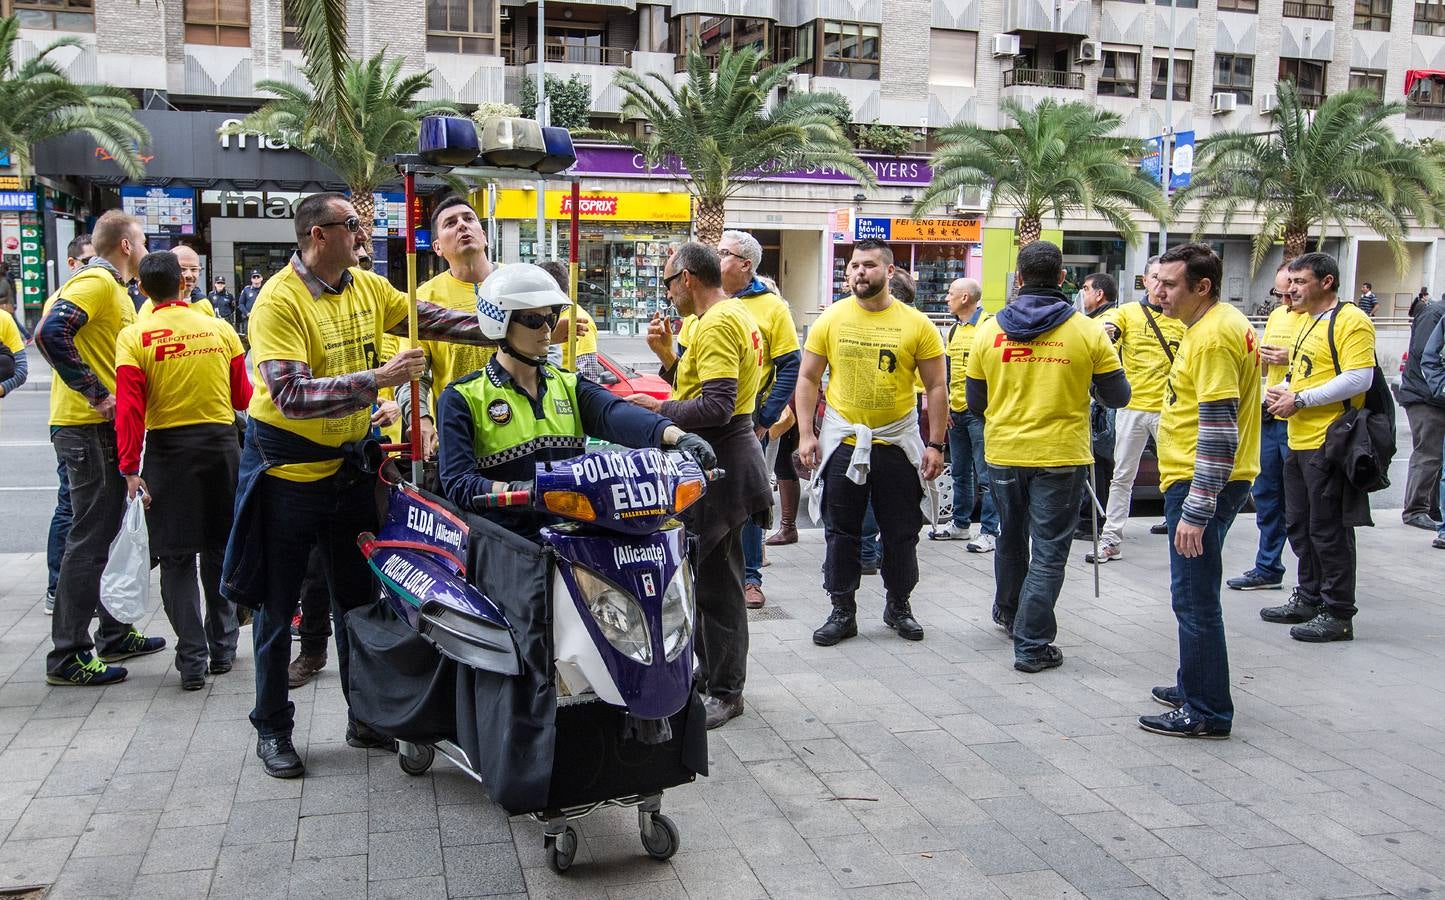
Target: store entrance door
[(1076, 269)]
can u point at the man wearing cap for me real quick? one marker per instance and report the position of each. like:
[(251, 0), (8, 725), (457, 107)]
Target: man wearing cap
[(222, 300)]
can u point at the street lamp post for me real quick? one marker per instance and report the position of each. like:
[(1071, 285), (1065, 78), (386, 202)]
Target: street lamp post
[(1166, 141), (541, 121)]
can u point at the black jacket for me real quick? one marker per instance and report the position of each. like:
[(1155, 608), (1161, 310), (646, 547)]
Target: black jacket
[(1413, 387), (1355, 445)]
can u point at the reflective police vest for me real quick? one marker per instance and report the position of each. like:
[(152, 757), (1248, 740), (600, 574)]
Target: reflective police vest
[(506, 428)]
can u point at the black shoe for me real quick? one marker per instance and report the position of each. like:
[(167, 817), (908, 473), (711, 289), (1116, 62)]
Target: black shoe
[(1183, 723), (1168, 695), (1006, 624), (842, 623), (720, 712), (221, 666), (1051, 658), (1254, 580), (279, 758), (193, 682), (1324, 628), (1291, 613), (1438, 543), (133, 644), (898, 615), (869, 569), (364, 737), (1161, 528), (1422, 521)]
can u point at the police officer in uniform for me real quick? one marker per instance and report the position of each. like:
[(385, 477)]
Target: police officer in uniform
[(518, 410)]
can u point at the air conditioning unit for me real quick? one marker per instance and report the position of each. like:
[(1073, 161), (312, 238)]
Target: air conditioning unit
[(1090, 52), (1005, 45), (1225, 103), (799, 82), (971, 200), (1267, 102)]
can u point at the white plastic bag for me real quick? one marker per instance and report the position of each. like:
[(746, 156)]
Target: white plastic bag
[(125, 585)]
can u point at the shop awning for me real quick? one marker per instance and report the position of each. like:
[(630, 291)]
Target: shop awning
[(1414, 75)]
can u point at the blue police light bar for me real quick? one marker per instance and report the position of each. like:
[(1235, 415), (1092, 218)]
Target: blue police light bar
[(447, 141), (560, 154)]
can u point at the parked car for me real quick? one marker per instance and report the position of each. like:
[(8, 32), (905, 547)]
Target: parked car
[(623, 380)]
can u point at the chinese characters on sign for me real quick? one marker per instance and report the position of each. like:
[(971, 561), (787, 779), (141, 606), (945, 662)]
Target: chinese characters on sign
[(876, 228)]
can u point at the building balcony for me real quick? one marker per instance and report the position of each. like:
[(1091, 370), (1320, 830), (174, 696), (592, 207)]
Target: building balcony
[(1045, 78), (1433, 112), (1308, 9), (1061, 17), (571, 54)]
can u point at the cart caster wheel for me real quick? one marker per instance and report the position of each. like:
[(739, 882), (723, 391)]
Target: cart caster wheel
[(664, 840), (562, 850), (415, 759)]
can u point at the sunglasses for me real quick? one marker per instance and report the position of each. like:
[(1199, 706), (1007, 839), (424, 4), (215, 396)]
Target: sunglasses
[(352, 223), (1276, 294), (669, 279), (537, 320)]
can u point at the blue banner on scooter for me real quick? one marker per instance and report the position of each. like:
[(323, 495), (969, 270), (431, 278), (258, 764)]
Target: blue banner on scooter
[(632, 492), (421, 524)]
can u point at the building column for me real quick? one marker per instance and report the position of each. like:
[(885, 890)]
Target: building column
[(1135, 258), (1349, 264), (1432, 267)]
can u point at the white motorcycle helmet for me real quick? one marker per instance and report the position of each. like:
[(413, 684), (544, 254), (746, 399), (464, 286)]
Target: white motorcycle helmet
[(519, 287)]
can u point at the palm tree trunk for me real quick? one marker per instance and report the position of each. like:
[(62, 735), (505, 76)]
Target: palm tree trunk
[(710, 218), (1029, 230), (365, 203), (1295, 240)]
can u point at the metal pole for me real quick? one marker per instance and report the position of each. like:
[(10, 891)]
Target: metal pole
[(411, 327), (1166, 143), (541, 120), (569, 354)]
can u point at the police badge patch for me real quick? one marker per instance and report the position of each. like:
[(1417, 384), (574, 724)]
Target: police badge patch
[(499, 412)]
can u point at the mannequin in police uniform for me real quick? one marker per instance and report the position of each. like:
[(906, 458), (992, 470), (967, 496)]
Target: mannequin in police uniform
[(518, 410)]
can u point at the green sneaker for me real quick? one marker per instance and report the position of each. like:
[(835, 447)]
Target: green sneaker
[(133, 644), (84, 670)]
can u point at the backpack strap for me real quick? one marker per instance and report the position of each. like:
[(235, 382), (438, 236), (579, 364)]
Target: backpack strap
[(1334, 352), (1159, 335)]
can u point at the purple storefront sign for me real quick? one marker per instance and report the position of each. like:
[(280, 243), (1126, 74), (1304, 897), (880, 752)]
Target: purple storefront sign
[(895, 171)]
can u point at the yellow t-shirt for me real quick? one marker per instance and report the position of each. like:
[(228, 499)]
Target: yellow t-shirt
[(10, 333), (1038, 391), (1146, 365), (185, 356), (1217, 360), (723, 343), (960, 345), (775, 324), (1311, 366), (451, 361), (334, 334), (1280, 330), (390, 345), (108, 309), (873, 358), (202, 305), (586, 343)]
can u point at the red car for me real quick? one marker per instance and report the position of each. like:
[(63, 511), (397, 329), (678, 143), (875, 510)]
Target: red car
[(624, 380)]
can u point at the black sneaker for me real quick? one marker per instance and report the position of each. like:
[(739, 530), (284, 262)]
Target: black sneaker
[(898, 615), (1167, 694), (1051, 658), (364, 737), (841, 625), (869, 568), (279, 757), (84, 670), (1254, 580), (1293, 612), (1324, 628), (222, 666), (1160, 528), (1007, 625), (193, 682), (1183, 723), (133, 644)]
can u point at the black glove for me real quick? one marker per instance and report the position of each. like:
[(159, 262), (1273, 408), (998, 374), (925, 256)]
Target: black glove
[(700, 449), (512, 486)]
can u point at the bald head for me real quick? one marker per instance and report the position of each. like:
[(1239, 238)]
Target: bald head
[(963, 297), (190, 262)]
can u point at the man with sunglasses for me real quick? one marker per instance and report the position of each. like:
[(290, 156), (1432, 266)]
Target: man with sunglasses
[(307, 470)]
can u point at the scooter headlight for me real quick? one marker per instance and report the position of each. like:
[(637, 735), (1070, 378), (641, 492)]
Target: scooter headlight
[(677, 614), (618, 616)]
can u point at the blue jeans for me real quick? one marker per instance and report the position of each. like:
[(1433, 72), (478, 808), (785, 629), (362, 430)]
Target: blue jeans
[(1037, 505), (753, 548), (59, 530), (1268, 494), (1203, 677), (965, 454), (871, 552)]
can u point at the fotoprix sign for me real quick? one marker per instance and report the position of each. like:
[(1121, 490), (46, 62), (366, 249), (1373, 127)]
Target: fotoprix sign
[(894, 171)]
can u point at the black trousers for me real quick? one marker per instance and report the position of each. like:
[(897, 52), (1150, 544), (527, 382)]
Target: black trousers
[(896, 493), (722, 620), (1314, 515)]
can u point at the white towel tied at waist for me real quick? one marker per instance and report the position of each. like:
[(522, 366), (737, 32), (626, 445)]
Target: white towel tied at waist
[(902, 433)]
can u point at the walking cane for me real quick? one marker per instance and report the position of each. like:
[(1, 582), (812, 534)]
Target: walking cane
[(1095, 512)]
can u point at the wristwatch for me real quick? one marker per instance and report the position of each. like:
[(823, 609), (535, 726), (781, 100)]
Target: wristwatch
[(1299, 401), (935, 446)]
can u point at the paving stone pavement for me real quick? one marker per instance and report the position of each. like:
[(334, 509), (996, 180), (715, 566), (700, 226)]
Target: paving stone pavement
[(879, 768)]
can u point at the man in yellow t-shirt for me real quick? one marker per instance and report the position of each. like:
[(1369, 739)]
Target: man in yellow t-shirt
[(741, 255), (1331, 366), (316, 335), (76, 336), (1280, 329), (715, 384), (1029, 376), (1208, 456), (586, 363), (12, 355), (872, 345), (180, 377), (1146, 340), (965, 429)]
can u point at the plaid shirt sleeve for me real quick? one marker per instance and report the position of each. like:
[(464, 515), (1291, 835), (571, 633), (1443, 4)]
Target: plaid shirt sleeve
[(299, 396), (55, 338), (435, 322)]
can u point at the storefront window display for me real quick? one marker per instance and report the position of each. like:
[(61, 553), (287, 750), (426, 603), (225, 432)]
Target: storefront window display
[(935, 251)]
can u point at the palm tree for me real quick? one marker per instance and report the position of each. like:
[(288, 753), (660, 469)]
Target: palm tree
[(38, 101), (716, 133), (1056, 158), (1316, 169), (384, 110)]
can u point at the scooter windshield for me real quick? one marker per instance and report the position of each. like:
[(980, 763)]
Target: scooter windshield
[(626, 491)]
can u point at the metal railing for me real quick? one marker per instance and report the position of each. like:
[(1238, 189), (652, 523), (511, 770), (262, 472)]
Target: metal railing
[(575, 55), (1049, 78), (1304, 9), (679, 62)]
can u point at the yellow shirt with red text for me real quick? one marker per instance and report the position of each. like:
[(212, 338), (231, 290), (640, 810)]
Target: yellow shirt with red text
[(185, 356)]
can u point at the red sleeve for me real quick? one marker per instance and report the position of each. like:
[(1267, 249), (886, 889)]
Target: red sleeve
[(130, 417), (240, 383)]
